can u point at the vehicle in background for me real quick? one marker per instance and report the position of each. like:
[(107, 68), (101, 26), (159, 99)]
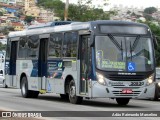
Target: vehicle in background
[(157, 84), (2, 65)]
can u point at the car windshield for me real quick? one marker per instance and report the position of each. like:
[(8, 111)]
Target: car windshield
[(122, 53)]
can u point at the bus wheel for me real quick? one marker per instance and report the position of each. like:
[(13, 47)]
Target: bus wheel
[(4, 84), (156, 93), (24, 88), (34, 94), (122, 101), (72, 94), (64, 96)]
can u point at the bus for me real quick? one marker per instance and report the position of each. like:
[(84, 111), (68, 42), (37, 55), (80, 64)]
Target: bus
[(95, 59)]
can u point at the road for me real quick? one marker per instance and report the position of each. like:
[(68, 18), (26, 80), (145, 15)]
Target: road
[(11, 100)]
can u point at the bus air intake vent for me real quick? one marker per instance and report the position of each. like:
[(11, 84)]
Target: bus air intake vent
[(115, 77)]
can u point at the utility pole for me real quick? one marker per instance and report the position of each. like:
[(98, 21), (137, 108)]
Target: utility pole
[(66, 10)]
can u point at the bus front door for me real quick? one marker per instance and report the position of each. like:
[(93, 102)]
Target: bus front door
[(13, 58), (42, 62), (84, 63)]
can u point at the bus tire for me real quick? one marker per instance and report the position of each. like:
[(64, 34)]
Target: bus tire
[(5, 86), (156, 93), (122, 101), (34, 94), (24, 88), (64, 96), (72, 94)]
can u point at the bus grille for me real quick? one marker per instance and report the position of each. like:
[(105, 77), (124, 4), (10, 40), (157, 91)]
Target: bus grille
[(119, 93), (133, 87), (126, 77)]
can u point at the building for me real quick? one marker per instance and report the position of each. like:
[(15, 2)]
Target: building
[(29, 4), (46, 15), (3, 39), (18, 26), (39, 13), (12, 2)]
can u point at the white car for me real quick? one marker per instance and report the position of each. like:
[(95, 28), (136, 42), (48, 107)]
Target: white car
[(1, 77)]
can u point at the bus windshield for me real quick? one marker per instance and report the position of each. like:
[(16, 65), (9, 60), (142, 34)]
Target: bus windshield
[(124, 53)]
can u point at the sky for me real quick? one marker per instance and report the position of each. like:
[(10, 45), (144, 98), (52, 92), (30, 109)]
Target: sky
[(136, 3), (129, 3)]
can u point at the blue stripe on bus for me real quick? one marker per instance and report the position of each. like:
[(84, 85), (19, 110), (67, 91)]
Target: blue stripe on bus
[(34, 72), (51, 69), (55, 69)]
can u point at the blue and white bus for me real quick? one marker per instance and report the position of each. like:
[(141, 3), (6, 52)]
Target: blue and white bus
[(96, 59)]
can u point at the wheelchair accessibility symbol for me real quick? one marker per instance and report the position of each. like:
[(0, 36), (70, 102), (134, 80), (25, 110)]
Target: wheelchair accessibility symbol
[(131, 66)]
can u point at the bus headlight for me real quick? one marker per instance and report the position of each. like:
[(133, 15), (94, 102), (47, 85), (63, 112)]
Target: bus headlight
[(150, 79), (101, 79)]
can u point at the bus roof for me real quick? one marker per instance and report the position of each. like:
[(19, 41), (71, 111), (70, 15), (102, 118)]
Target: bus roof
[(69, 27), (49, 24)]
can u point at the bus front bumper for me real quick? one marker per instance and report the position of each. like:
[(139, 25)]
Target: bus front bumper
[(101, 91)]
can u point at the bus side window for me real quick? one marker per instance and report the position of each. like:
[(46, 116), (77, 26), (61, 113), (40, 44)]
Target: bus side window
[(22, 48), (33, 44), (8, 48), (70, 44), (55, 45)]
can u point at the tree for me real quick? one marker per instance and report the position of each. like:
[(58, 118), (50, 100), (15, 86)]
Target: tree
[(133, 14), (156, 32), (148, 13), (150, 10), (2, 46), (4, 30), (84, 11), (28, 19), (128, 12), (1, 13)]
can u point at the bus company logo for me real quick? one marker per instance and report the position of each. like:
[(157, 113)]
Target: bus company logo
[(115, 83), (126, 73), (60, 64)]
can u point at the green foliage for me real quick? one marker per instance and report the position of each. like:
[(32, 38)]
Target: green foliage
[(156, 32), (84, 11), (28, 19), (133, 14), (54, 5), (1, 13), (128, 12), (5, 31), (148, 11), (2, 47)]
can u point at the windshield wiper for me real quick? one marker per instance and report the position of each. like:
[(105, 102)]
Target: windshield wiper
[(120, 47), (122, 50), (135, 42), (130, 50), (115, 41)]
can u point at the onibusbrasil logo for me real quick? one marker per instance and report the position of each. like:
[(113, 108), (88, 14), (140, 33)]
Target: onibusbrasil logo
[(60, 64)]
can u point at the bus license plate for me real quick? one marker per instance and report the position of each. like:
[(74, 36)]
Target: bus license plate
[(127, 91)]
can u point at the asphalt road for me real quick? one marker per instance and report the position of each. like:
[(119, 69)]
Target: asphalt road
[(11, 100)]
